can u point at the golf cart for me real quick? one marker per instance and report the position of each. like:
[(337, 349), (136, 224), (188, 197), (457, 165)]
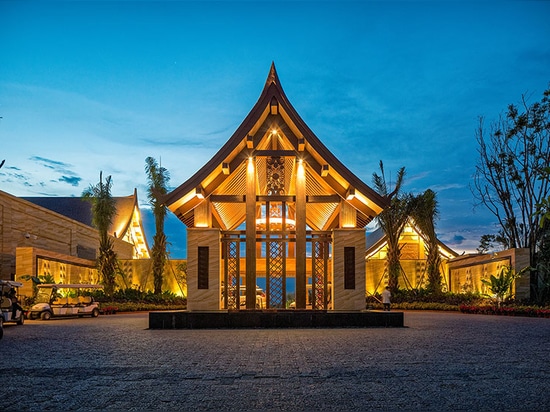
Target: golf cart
[(60, 300), (8, 303)]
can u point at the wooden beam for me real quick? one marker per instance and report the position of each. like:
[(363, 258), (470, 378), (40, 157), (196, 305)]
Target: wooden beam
[(228, 198), (363, 208), (323, 199), (276, 198), (274, 153)]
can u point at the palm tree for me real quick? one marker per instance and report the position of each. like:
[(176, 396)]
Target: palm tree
[(103, 213), (424, 212), (392, 220), (158, 178)]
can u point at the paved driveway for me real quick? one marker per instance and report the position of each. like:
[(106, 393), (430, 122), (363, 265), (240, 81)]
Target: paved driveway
[(439, 362)]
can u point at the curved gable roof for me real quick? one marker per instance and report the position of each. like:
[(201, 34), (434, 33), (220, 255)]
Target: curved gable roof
[(300, 139)]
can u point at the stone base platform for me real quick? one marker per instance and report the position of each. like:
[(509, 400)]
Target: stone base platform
[(266, 319)]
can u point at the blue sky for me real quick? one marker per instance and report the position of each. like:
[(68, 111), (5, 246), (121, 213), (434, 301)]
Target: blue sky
[(90, 86)]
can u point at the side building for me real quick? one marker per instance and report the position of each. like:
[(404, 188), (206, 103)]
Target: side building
[(412, 244), (460, 273), (52, 238)]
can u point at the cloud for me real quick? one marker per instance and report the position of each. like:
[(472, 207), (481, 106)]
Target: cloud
[(417, 176), (58, 167), (447, 186), (52, 164), (458, 239), (73, 181)]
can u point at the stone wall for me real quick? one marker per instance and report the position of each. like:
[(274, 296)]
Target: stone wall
[(466, 272), (139, 274)]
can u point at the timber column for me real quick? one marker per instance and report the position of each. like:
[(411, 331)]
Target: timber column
[(251, 233), (301, 236)]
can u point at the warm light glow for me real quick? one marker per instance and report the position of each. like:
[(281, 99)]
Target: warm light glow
[(350, 194), (348, 216), (199, 192), (275, 223), (324, 170), (301, 168)]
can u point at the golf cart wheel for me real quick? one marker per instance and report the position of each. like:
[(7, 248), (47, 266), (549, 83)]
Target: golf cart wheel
[(46, 315), (95, 313)]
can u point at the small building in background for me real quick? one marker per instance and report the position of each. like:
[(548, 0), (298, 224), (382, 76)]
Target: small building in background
[(413, 260)]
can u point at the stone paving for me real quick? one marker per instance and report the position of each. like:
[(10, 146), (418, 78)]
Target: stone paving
[(438, 362)]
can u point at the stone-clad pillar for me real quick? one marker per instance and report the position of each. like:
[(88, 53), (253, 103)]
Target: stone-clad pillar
[(203, 269), (348, 260)]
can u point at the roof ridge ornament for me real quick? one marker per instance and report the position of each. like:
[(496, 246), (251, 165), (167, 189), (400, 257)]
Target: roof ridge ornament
[(272, 76)]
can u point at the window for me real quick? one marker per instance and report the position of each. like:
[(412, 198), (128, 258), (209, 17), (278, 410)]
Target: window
[(349, 268), (202, 267)]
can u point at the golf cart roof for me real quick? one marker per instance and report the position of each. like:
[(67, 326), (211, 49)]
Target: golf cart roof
[(11, 283), (70, 286)]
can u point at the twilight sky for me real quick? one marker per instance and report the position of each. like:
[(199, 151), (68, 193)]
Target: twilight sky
[(90, 86)]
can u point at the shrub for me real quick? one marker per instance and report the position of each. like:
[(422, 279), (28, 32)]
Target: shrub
[(133, 295), (506, 310), (417, 296)]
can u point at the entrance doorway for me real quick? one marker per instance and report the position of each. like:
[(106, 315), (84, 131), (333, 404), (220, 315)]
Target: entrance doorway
[(276, 263)]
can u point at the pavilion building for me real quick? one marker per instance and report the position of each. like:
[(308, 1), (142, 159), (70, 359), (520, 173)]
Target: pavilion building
[(274, 207)]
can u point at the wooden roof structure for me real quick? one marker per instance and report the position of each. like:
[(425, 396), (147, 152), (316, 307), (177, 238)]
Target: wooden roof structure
[(273, 128)]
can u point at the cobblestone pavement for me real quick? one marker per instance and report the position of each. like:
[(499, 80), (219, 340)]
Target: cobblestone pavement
[(438, 362)]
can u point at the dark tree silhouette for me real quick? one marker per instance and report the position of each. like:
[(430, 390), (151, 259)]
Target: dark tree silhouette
[(158, 178), (103, 213)]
